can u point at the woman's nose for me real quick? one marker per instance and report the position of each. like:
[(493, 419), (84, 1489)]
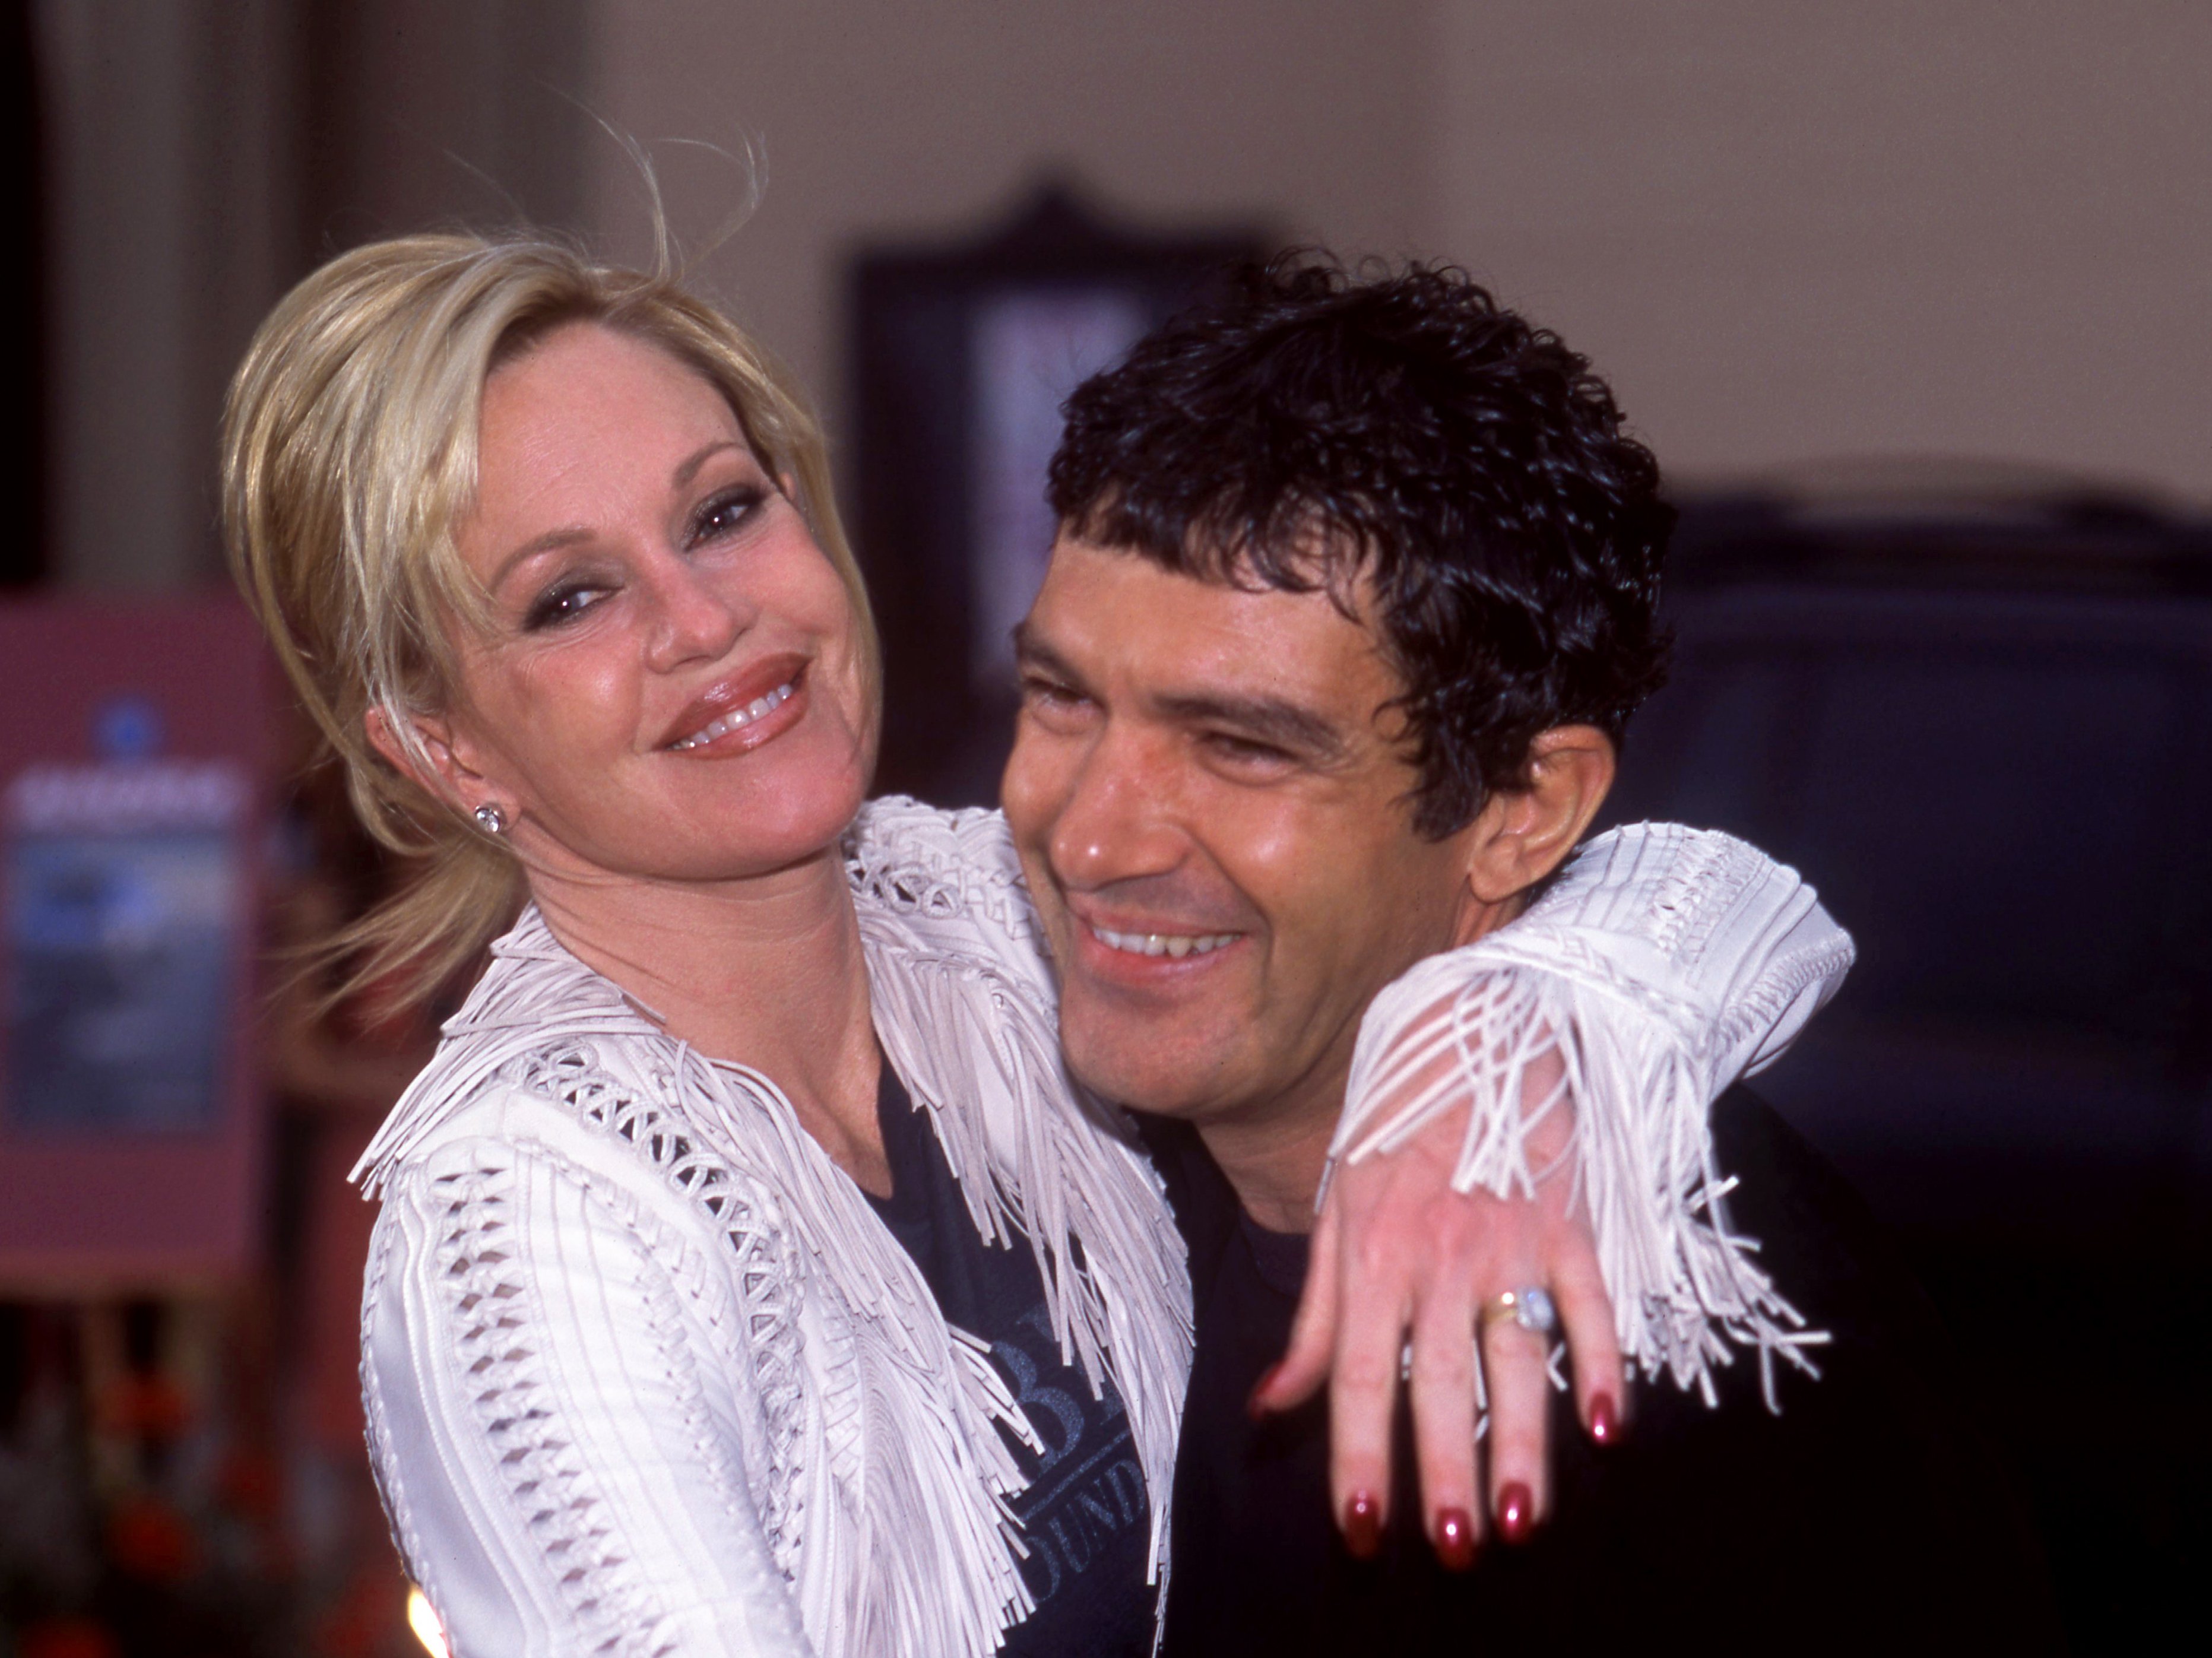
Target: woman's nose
[(695, 619)]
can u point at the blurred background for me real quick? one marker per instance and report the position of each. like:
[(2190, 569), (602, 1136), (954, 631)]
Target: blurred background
[(1909, 299)]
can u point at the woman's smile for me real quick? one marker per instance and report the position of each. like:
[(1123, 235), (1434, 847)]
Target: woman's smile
[(736, 716)]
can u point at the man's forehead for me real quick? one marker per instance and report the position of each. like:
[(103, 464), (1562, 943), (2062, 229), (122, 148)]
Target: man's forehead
[(1110, 614), (1097, 585)]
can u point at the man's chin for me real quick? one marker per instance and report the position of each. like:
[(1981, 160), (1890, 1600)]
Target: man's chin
[(1144, 1074)]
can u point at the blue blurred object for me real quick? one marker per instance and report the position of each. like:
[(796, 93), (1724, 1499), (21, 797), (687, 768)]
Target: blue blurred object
[(127, 728), (118, 1010)]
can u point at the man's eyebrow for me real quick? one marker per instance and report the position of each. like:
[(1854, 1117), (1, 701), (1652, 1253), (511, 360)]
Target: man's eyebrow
[(1030, 650), (1272, 719), (573, 534)]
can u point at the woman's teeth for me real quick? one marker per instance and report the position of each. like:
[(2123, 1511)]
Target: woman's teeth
[(736, 718), (1163, 943)]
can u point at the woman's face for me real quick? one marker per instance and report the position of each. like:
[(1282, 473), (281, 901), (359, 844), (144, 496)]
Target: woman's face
[(671, 687)]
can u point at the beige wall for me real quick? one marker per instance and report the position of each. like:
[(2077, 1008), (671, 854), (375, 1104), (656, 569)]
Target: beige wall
[(882, 120), (1790, 231), (164, 119), (203, 153), (1787, 230)]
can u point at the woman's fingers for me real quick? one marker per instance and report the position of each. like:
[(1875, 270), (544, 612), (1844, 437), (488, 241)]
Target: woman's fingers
[(1305, 1363), (1396, 1248), (1363, 1396), (1519, 1386), (1593, 1342), (1443, 1388)]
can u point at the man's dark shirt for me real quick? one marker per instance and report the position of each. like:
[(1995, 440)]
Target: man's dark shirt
[(1869, 1509), (1085, 1516)]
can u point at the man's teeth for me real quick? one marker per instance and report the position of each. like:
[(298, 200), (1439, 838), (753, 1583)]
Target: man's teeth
[(736, 717), (1163, 943)]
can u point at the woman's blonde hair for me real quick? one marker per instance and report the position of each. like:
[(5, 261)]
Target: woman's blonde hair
[(349, 456)]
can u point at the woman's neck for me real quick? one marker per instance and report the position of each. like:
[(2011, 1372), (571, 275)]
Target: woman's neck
[(768, 972)]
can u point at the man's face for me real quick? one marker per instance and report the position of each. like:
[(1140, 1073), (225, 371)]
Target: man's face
[(1214, 815)]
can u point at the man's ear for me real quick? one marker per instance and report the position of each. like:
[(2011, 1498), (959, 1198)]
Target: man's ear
[(1522, 834), (447, 776)]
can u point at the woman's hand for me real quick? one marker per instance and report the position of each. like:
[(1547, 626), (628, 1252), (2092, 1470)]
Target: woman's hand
[(1399, 1254)]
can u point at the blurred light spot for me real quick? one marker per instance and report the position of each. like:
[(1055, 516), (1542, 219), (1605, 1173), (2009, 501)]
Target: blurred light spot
[(423, 1618), (127, 728)]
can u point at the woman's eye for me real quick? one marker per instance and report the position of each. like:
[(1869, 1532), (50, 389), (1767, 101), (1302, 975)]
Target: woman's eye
[(726, 512), (562, 603)]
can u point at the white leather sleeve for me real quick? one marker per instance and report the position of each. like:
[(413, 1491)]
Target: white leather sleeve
[(563, 1441), (1660, 967)]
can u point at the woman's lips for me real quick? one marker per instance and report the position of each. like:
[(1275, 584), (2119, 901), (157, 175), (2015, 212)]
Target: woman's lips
[(743, 712)]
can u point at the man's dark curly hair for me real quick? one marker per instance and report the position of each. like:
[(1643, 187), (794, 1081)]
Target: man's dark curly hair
[(1317, 426)]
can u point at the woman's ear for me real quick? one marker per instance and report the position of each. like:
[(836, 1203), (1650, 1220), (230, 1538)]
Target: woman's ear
[(1524, 834), (444, 775)]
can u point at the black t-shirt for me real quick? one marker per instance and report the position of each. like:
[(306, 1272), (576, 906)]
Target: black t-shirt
[(1869, 1509), (1084, 1515)]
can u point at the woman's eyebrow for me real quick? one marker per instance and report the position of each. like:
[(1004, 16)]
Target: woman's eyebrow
[(551, 541), (689, 468)]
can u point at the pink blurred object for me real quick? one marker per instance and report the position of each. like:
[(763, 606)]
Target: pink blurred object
[(135, 743)]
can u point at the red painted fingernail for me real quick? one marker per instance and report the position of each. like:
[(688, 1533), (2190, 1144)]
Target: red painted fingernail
[(1604, 1426), (1255, 1406), (1362, 1526), (1455, 1539), (1516, 1513)]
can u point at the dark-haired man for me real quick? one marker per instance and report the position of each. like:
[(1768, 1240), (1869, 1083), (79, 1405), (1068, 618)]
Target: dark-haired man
[(1353, 596)]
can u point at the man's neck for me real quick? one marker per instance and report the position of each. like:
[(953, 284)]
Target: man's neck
[(1274, 1155)]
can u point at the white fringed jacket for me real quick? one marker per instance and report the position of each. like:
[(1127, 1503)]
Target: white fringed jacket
[(646, 1374)]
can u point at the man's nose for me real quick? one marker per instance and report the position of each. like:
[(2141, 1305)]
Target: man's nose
[(1118, 822), (693, 619)]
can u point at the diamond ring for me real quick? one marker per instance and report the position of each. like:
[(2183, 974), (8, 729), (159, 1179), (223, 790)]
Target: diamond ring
[(1529, 1306)]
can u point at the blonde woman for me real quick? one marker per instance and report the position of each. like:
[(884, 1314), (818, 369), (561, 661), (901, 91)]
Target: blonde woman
[(761, 1080)]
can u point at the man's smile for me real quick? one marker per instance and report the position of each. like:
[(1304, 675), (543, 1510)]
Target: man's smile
[(1123, 946), (1177, 944)]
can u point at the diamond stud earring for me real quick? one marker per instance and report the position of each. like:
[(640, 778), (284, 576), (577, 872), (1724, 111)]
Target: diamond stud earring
[(490, 819)]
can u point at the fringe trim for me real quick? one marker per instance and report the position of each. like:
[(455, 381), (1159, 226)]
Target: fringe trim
[(966, 1004), (1684, 1287), (1081, 1192), (963, 1006)]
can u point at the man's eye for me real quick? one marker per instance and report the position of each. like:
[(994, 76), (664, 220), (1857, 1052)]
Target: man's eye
[(1245, 750), (1050, 696)]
